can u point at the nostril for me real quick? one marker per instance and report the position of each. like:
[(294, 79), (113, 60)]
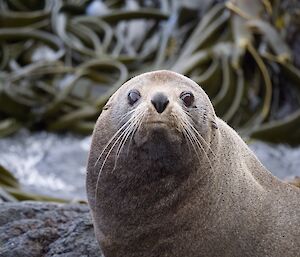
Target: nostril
[(160, 102)]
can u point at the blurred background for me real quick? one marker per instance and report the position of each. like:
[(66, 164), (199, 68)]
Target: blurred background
[(61, 60)]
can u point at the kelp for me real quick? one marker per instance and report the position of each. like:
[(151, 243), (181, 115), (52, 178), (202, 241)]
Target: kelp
[(59, 65), (11, 190), (240, 53)]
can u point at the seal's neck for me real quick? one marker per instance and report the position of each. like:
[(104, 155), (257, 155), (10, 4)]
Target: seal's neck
[(154, 177)]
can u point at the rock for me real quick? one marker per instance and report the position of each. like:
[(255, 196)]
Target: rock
[(31, 229), (294, 181)]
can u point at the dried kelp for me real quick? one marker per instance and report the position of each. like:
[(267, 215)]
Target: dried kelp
[(59, 64)]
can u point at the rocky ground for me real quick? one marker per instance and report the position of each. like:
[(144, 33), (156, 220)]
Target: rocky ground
[(41, 229)]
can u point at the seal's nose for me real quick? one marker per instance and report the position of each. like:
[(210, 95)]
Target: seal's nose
[(160, 102)]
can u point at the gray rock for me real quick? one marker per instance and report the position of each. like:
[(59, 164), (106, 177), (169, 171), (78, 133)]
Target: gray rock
[(31, 229)]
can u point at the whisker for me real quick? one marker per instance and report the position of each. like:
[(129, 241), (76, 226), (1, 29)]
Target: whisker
[(203, 140), (124, 116), (106, 157), (182, 129), (136, 129), (186, 133), (201, 146), (129, 131), (111, 140), (123, 133), (196, 131), (137, 116), (193, 133), (193, 142)]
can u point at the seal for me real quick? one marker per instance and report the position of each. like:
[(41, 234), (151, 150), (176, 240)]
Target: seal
[(166, 177)]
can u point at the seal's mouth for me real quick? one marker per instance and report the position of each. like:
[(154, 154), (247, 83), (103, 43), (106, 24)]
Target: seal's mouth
[(157, 132), (156, 122), (150, 123)]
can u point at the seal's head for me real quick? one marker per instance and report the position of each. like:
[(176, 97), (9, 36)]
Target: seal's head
[(160, 111), (151, 146)]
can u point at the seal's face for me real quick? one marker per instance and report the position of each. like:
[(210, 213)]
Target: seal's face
[(161, 111), (158, 117)]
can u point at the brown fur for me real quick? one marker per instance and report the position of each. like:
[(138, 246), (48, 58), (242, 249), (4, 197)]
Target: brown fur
[(160, 200)]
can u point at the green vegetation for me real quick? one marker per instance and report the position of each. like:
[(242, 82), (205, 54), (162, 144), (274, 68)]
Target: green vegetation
[(59, 66)]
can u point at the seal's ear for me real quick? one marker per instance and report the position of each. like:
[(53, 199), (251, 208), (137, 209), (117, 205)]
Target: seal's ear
[(108, 103), (214, 124), (105, 107)]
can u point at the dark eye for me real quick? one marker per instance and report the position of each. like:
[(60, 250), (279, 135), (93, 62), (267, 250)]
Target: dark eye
[(133, 96), (187, 98)]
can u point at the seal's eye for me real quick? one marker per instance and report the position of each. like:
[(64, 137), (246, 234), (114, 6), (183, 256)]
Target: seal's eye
[(133, 96), (187, 98)]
